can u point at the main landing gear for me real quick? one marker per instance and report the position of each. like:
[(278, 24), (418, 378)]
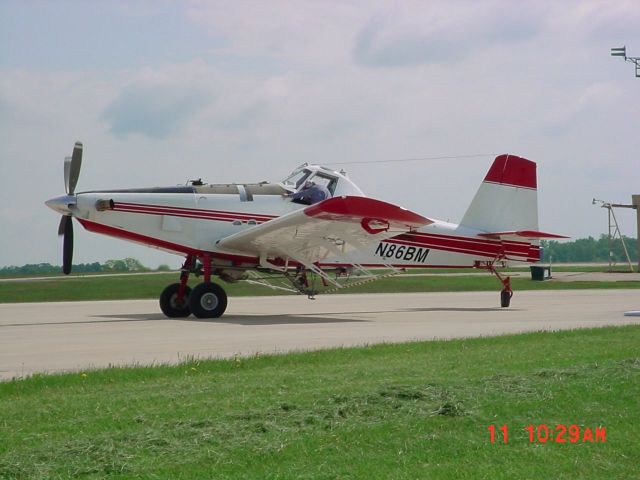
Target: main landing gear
[(206, 300)]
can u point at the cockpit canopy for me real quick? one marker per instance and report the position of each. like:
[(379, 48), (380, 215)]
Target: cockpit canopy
[(337, 183)]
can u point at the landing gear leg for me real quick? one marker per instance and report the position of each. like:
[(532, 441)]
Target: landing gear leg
[(207, 300), (174, 300)]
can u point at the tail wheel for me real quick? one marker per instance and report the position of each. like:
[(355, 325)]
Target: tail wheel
[(505, 297), (170, 305), (208, 300)]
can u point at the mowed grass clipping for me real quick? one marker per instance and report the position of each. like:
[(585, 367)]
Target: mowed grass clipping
[(125, 287), (417, 410)]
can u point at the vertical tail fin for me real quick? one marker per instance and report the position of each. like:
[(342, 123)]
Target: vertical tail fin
[(507, 198)]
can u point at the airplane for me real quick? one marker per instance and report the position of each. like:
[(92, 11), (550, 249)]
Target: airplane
[(255, 232)]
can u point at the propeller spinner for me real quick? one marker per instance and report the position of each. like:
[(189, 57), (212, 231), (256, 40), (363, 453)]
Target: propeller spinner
[(66, 203)]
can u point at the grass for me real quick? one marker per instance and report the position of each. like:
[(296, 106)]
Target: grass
[(150, 286), (416, 410), (105, 288)]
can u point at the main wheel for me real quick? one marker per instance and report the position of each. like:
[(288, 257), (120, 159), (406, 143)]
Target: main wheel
[(505, 298), (169, 302), (208, 300)]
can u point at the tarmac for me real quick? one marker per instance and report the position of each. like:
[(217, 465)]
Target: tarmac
[(77, 336)]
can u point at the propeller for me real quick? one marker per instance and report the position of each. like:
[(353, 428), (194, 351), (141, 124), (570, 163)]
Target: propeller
[(72, 169), (65, 229)]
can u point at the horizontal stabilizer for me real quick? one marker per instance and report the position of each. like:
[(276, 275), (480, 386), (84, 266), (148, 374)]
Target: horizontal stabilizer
[(528, 234)]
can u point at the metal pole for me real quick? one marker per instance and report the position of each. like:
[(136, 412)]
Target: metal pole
[(610, 240), (624, 246), (635, 201)]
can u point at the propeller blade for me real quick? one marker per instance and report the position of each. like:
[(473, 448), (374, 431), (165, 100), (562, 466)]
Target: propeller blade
[(74, 169), (67, 249), (67, 169), (61, 226)]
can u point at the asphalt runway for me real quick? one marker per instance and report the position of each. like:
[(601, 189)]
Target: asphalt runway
[(54, 337)]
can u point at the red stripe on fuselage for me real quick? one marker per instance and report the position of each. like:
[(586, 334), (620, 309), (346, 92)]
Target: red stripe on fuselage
[(482, 240), (136, 237), (218, 215), (467, 245), (186, 215), (440, 246), (197, 210)]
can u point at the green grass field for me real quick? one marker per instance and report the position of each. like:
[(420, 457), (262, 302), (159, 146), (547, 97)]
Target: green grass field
[(417, 410), (150, 286)]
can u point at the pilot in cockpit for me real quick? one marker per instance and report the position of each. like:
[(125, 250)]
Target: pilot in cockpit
[(310, 193)]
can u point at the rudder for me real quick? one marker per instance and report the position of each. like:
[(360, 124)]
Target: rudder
[(507, 198)]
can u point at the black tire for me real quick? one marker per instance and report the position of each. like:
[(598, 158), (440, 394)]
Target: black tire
[(505, 298), (208, 300), (168, 303)]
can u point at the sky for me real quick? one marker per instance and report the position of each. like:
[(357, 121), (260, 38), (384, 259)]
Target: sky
[(161, 92)]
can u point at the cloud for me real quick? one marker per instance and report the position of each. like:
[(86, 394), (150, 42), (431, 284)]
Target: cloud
[(439, 33), (277, 37), (5, 109), (610, 22), (596, 100), (157, 111)]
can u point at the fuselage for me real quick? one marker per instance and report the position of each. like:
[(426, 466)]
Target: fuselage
[(191, 222), (191, 219)]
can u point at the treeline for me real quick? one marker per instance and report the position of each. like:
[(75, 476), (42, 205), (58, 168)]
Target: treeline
[(110, 266), (589, 250)]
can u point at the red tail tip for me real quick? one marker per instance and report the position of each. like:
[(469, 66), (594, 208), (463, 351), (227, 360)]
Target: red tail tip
[(513, 171)]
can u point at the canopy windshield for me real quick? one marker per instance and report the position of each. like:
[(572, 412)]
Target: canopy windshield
[(296, 179)]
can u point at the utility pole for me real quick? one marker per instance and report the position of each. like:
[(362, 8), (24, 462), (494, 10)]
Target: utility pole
[(635, 199)]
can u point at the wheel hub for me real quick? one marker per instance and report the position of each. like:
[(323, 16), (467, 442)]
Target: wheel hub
[(209, 301), (176, 304)]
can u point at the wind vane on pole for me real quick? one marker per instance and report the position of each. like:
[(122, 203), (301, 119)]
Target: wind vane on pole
[(622, 52)]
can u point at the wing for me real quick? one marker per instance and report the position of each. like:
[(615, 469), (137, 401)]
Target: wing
[(333, 228)]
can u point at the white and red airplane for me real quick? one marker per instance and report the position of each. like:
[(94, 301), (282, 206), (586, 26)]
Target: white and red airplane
[(233, 231)]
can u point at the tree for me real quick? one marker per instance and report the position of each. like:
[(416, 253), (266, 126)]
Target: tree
[(588, 250), (134, 265)]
